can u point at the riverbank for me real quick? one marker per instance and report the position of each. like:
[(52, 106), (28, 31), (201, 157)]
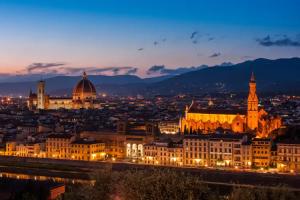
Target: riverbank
[(84, 170)]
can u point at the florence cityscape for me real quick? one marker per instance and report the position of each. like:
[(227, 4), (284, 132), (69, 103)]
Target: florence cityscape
[(149, 100)]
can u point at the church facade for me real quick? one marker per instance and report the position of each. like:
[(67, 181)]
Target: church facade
[(84, 96), (209, 120)]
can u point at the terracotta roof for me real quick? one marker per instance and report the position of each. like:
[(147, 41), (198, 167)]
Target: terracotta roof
[(217, 136), (219, 111), (57, 135), (195, 108), (84, 86), (86, 141)]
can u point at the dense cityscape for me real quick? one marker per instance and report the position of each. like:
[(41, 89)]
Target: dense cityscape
[(151, 131), (154, 131), (149, 100)]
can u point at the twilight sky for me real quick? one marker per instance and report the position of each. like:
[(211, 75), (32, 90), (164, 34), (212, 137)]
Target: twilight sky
[(130, 36)]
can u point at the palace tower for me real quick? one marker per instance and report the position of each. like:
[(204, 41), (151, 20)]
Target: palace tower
[(41, 95)]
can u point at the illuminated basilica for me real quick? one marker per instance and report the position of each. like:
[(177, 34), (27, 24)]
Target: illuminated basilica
[(208, 120), (84, 96)]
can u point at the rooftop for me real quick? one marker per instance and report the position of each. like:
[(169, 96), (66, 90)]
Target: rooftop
[(86, 141), (60, 135), (217, 136)]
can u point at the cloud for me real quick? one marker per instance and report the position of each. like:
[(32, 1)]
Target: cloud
[(283, 41), (155, 68), (132, 71), (41, 66), (112, 71), (247, 57), (157, 42), (215, 55), (60, 69), (162, 70), (140, 49), (226, 64), (5, 74), (193, 35)]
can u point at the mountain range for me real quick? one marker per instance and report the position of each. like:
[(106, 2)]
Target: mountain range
[(273, 76)]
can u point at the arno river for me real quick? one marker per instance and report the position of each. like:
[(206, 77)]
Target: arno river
[(44, 178)]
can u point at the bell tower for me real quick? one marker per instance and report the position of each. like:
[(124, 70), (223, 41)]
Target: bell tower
[(41, 95), (252, 110)]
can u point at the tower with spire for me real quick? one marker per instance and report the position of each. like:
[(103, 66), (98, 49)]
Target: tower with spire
[(252, 108)]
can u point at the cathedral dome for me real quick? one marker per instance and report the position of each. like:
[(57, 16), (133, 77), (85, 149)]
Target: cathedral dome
[(84, 89)]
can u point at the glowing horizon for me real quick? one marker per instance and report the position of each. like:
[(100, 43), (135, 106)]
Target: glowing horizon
[(137, 34)]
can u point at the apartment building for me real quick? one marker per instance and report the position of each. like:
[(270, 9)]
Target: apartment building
[(163, 153), (229, 150), (261, 152), (87, 149), (288, 156), (58, 146)]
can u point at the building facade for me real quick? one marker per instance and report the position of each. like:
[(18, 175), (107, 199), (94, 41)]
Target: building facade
[(217, 151), (168, 127), (88, 150), (25, 150), (58, 146), (261, 152), (127, 142), (66, 146), (288, 156), (208, 120), (163, 153)]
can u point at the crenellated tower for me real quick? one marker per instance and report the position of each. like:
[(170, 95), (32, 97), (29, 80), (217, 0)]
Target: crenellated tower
[(252, 110)]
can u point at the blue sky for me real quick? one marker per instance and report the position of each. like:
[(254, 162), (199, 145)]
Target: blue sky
[(109, 34)]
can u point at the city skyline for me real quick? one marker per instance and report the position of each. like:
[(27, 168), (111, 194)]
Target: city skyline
[(129, 37)]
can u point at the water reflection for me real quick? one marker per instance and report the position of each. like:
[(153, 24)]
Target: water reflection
[(45, 178)]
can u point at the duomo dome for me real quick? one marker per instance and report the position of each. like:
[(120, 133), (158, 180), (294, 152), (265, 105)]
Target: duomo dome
[(84, 89)]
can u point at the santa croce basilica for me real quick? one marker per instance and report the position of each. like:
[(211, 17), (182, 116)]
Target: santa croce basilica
[(238, 121)]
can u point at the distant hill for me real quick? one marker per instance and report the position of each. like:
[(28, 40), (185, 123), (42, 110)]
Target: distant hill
[(281, 75), (273, 76), (61, 85)]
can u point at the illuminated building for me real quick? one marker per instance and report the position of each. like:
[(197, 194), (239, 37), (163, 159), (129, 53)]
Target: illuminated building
[(127, 142), (86, 149), (84, 96), (161, 153), (166, 127), (121, 145), (217, 151), (209, 120), (261, 152), (30, 150), (25, 150), (66, 146), (288, 154), (10, 148), (58, 146)]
